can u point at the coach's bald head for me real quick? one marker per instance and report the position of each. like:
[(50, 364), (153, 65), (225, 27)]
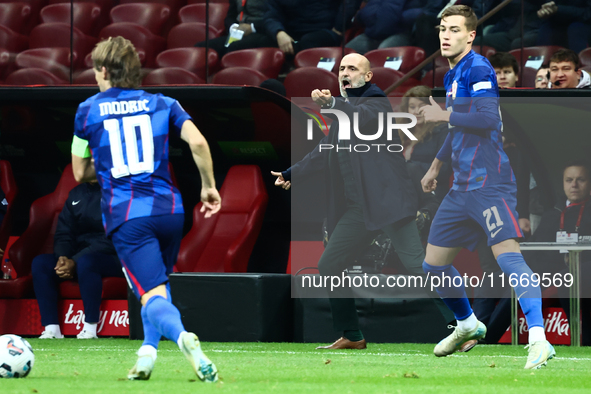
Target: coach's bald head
[(354, 72)]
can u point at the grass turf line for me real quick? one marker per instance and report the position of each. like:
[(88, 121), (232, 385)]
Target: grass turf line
[(101, 366)]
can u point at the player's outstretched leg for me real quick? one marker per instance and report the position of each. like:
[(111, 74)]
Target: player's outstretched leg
[(452, 292), (530, 300), (167, 319), (148, 352)]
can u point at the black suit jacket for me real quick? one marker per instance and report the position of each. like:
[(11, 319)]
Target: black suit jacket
[(381, 177)]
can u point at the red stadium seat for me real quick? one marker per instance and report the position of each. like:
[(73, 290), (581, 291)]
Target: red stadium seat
[(437, 81), (224, 242), (585, 57), (86, 16), (57, 35), (37, 238), (34, 76), (196, 13), (171, 76), (301, 81), (86, 77), (528, 77), (311, 57), (54, 60), (106, 6), (16, 16), (36, 6), (410, 57), (152, 16), (440, 61), (191, 59), (239, 76), (203, 1), (174, 5), (544, 52), (11, 41), (147, 44), (188, 34), (266, 60), (7, 63)]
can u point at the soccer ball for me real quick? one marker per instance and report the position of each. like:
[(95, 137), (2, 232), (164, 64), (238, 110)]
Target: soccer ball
[(16, 357)]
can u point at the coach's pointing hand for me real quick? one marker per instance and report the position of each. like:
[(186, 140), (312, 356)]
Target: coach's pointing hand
[(280, 181), (322, 97)]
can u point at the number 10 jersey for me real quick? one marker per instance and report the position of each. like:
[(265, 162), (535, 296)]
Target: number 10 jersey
[(127, 133)]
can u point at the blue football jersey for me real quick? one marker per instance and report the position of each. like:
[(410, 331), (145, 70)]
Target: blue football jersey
[(127, 131), (474, 143)]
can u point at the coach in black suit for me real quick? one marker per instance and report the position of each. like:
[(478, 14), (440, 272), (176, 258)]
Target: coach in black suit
[(366, 192)]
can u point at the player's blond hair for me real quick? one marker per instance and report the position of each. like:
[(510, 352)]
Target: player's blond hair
[(470, 19), (121, 60)]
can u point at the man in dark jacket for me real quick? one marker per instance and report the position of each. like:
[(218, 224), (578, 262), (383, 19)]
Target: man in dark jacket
[(247, 17), (366, 191), (83, 253)]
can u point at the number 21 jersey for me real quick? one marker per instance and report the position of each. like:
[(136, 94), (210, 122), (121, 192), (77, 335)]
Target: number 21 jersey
[(127, 131)]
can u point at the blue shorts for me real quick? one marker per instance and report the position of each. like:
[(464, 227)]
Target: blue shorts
[(148, 248), (465, 217)]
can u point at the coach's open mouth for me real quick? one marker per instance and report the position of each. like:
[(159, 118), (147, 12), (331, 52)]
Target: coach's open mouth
[(346, 83)]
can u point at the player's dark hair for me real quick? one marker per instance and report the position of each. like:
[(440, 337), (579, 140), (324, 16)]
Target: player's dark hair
[(502, 60), (471, 21), (566, 55), (121, 60), (579, 163)]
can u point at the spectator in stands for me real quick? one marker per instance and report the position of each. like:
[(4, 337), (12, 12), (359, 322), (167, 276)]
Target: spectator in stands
[(296, 25), (387, 23), (430, 138), (565, 72), (543, 77), (572, 215), (503, 30), (81, 252), (247, 17), (565, 23), (507, 69)]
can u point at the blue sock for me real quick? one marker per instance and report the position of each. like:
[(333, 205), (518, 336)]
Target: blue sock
[(530, 297), (165, 317), (453, 296), (151, 334)]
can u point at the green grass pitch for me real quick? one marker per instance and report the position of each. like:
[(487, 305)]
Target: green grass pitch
[(100, 366)]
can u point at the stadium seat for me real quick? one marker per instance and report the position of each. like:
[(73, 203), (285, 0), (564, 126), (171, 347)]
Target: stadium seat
[(15, 16), (311, 57), (410, 57), (301, 81), (36, 6), (585, 57), (57, 35), (171, 76), (528, 77), (239, 76), (224, 242), (86, 77), (86, 16), (11, 41), (147, 44), (54, 60), (191, 59), (7, 63), (196, 13), (174, 5), (544, 52), (437, 81), (106, 6), (385, 77), (266, 60), (34, 76), (188, 34), (37, 238), (203, 1), (440, 61), (587, 68), (152, 16)]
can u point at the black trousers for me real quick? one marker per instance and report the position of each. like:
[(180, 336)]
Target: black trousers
[(351, 237)]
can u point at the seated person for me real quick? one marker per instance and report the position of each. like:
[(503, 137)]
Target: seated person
[(542, 77), (574, 211), (565, 23), (82, 253), (565, 72), (290, 26), (506, 68), (430, 138), (246, 17)]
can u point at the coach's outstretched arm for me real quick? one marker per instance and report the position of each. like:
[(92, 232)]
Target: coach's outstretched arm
[(212, 202)]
